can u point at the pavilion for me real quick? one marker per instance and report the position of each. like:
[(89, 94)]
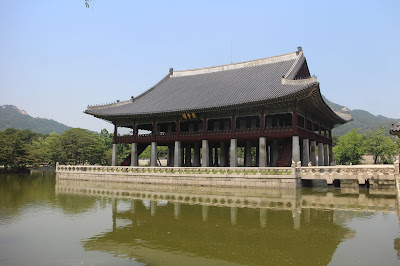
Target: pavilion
[(272, 105)]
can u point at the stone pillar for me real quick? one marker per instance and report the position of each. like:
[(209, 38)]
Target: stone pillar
[(320, 154), (177, 154), (247, 154), (196, 154), (134, 155), (262, 152), (153, 154), (295, 149), (114, 158), (275, 152), (170, 155), (306, 152), (222, 154), (205, 161), (188, 156), (331, 161), (313, 153), (233, 154), (326, 154)]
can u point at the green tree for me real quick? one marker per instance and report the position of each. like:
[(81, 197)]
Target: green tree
[(107, 139), (81, 146), (335, 140), (349, 148), (13, 150), (380, 146), (53, 148), (398, 144)]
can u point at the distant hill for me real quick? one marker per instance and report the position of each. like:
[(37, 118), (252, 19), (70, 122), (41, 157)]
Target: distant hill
[(362, 120), (12, 117)]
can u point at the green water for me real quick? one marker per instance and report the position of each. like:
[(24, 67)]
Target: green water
[(49, 222)]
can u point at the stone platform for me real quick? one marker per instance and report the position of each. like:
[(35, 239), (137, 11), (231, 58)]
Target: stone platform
[(372, 176)]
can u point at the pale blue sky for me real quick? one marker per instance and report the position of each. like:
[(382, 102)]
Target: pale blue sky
[(56, 57)]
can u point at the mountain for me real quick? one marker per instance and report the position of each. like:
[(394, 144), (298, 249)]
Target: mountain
[(362, 120), (12, 117)]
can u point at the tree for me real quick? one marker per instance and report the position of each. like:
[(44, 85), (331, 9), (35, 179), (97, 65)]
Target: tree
[(12, 148), (81, 146), (349, 148), (380, 146), (53, 148)]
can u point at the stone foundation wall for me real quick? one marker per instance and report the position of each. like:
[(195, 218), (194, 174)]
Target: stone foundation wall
[(372, 176), (187, 180)]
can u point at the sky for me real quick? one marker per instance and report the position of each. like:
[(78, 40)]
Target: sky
[(57, 57)]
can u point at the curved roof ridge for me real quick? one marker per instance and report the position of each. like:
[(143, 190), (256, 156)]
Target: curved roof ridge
[(296, 66), (152, 88), (251, 63)]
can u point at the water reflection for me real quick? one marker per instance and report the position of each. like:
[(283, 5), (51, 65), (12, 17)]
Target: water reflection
[(114, 223), (166, 224)]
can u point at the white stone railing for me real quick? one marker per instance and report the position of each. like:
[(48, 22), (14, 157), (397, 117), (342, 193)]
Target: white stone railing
[(349, 172), (247, 172)]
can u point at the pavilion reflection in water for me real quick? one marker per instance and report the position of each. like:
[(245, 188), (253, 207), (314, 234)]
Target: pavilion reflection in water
[(199, 225)]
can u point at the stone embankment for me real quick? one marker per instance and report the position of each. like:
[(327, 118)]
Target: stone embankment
[(372, 176)]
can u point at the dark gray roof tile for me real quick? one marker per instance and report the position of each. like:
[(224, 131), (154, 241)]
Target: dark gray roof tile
[(228, 85)]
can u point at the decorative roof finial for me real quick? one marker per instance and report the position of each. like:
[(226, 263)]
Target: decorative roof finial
[(171, 71)]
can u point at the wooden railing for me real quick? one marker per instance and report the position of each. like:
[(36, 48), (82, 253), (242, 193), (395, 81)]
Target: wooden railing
[(213, 135)]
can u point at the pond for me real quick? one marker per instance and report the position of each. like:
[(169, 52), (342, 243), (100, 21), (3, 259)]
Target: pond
[(49, 222)]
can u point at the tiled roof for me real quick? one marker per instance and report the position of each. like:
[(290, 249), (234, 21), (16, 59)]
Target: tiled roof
[(207, 88)]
